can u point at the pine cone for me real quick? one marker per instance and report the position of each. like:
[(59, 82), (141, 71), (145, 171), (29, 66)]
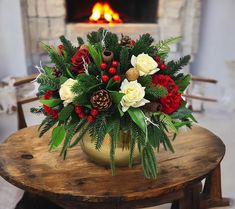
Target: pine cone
[(126, 41), (153, 107), (56, 72), (101, 100)]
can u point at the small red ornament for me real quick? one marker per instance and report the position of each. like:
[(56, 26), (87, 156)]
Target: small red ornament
[(78, 109), (61, 48), (112, 70), (90, 118), (81, 115), (104, 78), (162, 66), (94, 112), (158, 59), (103, 66), (117, 78), (115, 63)]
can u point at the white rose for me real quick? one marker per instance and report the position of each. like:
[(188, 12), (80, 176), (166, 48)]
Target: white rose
[(65, 91), (134, 95), (145, 64)]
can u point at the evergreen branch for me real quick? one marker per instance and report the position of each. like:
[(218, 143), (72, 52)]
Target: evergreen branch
[(97, 131), (68, 47), (38, 110), (124, 59), (156, 91), (56, 58), (145, 80), (50, 83), (163, 47), (115, 133), (80, 41), (80, 136), (46, 124), (95, 36), (143, 45), (173, 67), (73, 128)]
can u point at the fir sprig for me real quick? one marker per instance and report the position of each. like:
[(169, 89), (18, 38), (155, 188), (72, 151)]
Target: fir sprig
[(173, 67), (68, 46)]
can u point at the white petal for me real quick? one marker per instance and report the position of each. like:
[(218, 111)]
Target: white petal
[(124, 109), (153, 71), (133, 60)]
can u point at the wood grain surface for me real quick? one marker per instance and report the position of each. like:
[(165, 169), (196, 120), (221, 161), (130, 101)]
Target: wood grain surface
[(26, 163)]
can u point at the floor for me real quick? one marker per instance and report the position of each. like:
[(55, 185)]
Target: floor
[(217, 117)]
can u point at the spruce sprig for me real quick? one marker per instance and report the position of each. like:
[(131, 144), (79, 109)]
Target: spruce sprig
[(68, 46), (173, 67), (143, 45)]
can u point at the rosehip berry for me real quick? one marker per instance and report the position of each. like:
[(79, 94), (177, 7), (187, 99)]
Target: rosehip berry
[(104, 78), (158, 59), (133, 42), (81, 115), (117, 78), (115, 63), (162, 66), (94, 112), (112, 70), (90, 118), (78, 109), (103, 66)]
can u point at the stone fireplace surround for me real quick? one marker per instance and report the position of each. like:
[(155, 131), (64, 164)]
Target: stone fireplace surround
[(44, 20)]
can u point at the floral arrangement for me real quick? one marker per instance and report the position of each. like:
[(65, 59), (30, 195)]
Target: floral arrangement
[(109, 85)]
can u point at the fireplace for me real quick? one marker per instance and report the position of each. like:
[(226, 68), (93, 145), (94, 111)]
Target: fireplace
[(131, 11), (46, 20)]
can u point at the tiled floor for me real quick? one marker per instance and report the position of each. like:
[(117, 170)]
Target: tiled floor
[(216, 118)]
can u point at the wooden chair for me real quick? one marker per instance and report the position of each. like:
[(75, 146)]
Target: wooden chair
[(29, 201)]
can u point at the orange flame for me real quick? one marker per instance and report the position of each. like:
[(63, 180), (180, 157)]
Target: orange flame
[(102, 13)]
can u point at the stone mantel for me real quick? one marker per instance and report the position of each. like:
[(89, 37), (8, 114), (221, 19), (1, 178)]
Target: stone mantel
[(44, 20)]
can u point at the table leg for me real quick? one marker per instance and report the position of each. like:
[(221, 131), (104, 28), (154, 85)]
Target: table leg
[(212, 193), (191, 199)]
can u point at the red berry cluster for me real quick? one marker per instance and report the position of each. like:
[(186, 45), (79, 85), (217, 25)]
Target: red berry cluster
[(161, 64), (112, 71), (90, 115)]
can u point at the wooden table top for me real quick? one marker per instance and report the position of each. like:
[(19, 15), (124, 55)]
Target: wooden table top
[(26, 163)]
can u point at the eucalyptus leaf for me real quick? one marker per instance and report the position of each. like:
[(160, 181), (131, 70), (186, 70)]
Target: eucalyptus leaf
[(57, 137), (51, 102), (138, 117)]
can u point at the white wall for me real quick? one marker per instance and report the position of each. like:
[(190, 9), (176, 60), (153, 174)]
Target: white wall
[(217, 39), (12, 52)]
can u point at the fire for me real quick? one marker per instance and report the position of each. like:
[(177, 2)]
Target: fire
[(103, 13)]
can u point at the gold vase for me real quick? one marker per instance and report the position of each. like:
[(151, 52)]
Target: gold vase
[(102, 156)]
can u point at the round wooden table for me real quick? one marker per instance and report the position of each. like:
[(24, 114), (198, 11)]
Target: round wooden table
[(79, 183)]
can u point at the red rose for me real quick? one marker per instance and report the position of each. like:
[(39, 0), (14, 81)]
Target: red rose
[(171, 102), (78, 60)]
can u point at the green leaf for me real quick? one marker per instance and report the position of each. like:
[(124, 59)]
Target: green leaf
[(138, 117), (183, 82), (167, 120), (57, 137), (51, 102), (96, 55), (65, 113), (116, 96)]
